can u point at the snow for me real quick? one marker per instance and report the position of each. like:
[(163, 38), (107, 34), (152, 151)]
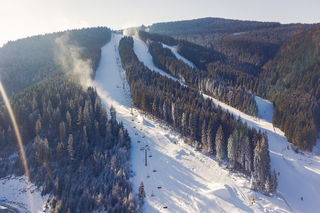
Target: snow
[(15, 192), (175, 52), (191, 181), (238, 33)]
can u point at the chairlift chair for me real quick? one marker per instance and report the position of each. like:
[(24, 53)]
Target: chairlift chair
[(150, 154), (154, 169), (152, 194), (159, 186), (148, 175), (138, 141), (143, 136)]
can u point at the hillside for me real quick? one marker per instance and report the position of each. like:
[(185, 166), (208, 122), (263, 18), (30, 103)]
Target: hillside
[(192, 181), (28, 61), (77, 153), (278, 62)]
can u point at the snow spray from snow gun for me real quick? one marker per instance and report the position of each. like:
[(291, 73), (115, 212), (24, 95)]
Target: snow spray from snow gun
[(16, 130)]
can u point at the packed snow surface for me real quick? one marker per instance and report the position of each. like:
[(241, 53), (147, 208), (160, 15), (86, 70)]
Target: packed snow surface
[(17, 193), (189, 181), (175, 52), (181, 179)]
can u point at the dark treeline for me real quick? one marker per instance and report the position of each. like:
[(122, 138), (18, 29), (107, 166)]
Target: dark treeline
[(74, 150), (200, 56), (200, 122), (209, 25), (277, 63), (210, 84), (28, 61), (168, 40)]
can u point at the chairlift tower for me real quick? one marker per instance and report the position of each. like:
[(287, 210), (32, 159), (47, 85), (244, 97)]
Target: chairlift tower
[(145, 149)]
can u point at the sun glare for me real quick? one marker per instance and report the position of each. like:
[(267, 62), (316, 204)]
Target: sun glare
[(16, 130)]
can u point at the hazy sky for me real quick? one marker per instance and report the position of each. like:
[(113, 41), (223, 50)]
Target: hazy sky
[(22, 18)]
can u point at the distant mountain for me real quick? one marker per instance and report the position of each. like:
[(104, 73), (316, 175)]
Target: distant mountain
[(209, 25)]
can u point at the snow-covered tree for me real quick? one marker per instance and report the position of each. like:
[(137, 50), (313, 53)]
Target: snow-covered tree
[(274, 181), (220, 144), (141, 193)]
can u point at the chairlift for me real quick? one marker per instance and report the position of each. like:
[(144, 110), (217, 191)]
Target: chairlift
[(159, 186), (148, 175), (138, 141), (143, 136), (165, 207), (134, 126), (141, 148), (154, 169), (150, 154), (152, 194)]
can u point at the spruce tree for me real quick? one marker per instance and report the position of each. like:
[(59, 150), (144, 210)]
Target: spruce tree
[(274, 181), (141, 193), (220, 144)]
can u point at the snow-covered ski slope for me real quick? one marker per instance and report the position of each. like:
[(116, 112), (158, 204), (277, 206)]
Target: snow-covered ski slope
[(15, 192), (174, 50), (189, 180)]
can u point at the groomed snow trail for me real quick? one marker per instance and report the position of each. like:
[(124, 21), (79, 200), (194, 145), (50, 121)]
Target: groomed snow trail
[(299, 174), (189, 180)]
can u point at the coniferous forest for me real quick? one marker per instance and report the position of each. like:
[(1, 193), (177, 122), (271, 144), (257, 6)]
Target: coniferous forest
[(76, 151), (207, 127), (274, 61), (203, 80), (79, 153)]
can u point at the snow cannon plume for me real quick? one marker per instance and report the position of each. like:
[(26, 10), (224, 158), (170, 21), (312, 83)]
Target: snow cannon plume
[(68, 56)]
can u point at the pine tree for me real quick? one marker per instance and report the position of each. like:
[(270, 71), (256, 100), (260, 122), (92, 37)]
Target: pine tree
[(220, 144), (80, 117), (141, 193), (70, 148), (38, 126), (63, 133), (69, 121), (184, 124), (247, 155), (274, 181), (233, 148), (267, 185), (204, 134)]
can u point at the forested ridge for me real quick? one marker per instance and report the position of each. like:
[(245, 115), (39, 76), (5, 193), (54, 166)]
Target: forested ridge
[(202, 80), (76, 151), (200, 122), (278, 62), (28, 61)]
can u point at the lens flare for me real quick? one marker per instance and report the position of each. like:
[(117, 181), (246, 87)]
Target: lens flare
[(16, 130)]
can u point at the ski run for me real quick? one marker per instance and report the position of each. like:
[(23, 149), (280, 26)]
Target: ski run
[(176, 177)]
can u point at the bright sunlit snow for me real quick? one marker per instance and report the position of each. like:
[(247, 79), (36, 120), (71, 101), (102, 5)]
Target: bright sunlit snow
[(175, 52), (15, 191), (190, 181)]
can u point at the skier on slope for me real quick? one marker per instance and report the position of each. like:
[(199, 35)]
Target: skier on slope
[(252, 201)]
